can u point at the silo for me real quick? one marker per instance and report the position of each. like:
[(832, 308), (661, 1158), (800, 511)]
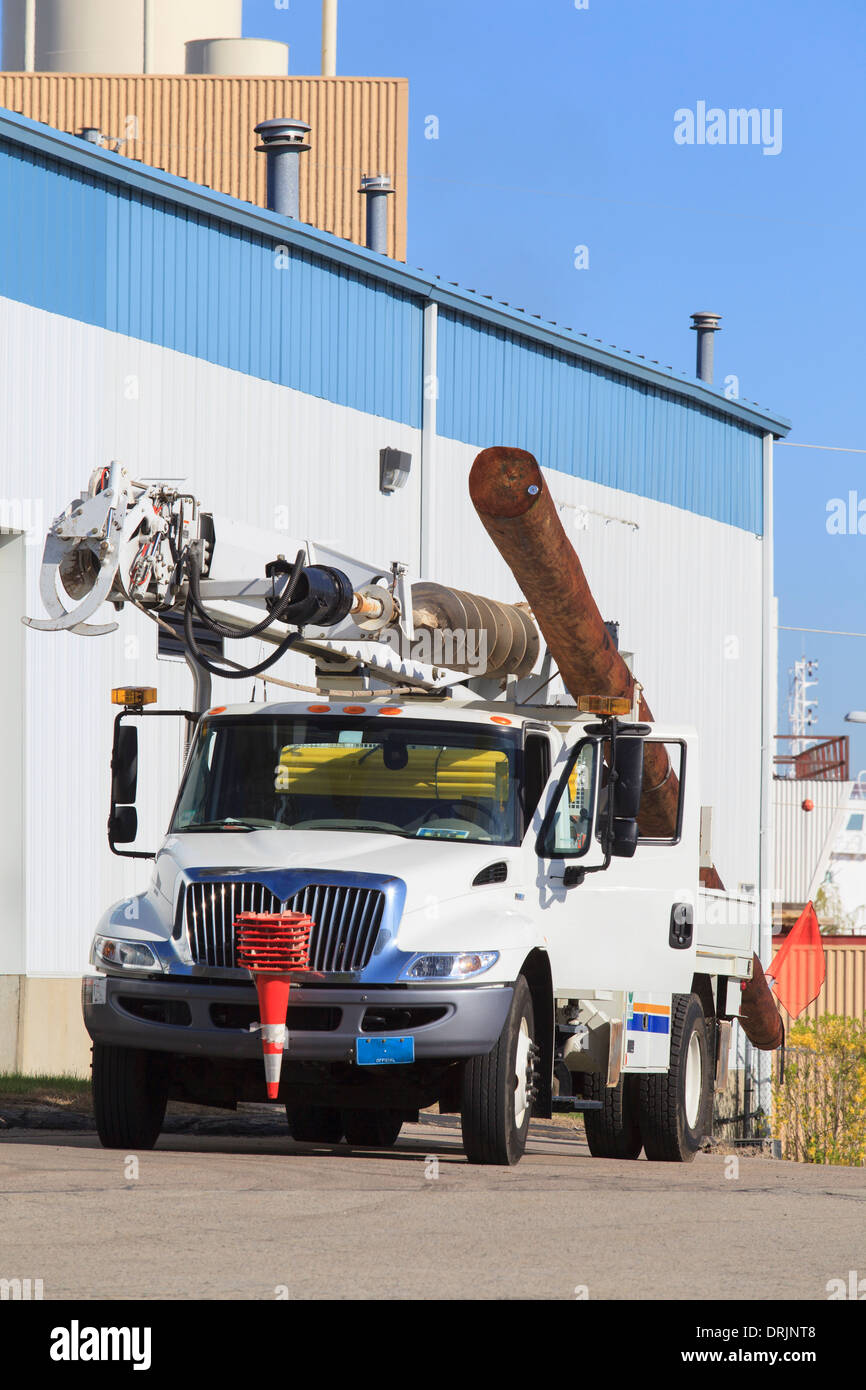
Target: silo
[(237, 57), (19, 25), (172, 22), (104, 36)]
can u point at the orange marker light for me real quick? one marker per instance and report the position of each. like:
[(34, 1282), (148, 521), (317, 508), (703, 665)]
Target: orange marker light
[(354, 709), (218, 709), (499, 719), (391, 709), (134, 695), (319, 709)]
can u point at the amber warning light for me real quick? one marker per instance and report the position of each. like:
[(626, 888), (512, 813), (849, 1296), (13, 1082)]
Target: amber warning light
[(133, 696), (604, 704)]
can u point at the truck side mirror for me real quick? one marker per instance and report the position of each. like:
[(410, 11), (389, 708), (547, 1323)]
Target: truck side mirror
[(122, 825), (621, 843), (123, 817), (124, 765), (624, 840), (629, 778)]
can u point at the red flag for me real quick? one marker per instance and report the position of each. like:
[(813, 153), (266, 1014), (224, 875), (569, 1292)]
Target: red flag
[(798, 967)]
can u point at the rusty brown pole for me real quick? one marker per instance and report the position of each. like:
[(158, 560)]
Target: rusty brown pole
[(512, 499), (519, 514), (759, 1018)]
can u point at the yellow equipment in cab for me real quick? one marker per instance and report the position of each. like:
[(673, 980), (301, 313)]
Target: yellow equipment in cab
[(335, 769)]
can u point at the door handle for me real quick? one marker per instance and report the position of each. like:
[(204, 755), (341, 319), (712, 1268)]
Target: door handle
[(682, 926)]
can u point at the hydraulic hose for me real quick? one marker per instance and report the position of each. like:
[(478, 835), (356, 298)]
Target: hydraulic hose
[(245, 672), (219, 629), (194, 605)]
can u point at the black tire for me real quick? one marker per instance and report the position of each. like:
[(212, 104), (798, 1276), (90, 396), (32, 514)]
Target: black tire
[(493, 1093), (130, 1093), (314, 1124), (613, 1132), (675, 1110), (372, 1129)]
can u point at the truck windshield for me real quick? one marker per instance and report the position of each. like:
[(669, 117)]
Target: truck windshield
[(446, 781)]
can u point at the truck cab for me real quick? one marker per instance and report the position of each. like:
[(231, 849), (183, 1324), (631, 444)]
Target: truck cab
[(494, 930)]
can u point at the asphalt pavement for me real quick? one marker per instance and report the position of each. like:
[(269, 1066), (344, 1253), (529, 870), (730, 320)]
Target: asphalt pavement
[(260, 1217)]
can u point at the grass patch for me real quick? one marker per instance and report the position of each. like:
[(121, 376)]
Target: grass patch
[(67, 1092)]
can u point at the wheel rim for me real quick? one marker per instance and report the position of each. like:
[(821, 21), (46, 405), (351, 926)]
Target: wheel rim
[(521, 1073), (694, 1080)]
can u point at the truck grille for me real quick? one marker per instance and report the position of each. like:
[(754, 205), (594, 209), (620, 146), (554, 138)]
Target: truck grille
[(346, 921)]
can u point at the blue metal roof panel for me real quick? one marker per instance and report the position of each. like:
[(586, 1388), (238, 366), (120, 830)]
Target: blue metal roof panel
[(595, 424), (99, 164), (95, 250)]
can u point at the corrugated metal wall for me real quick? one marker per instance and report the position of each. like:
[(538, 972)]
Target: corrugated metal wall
[(844, 989), (201, 128), (803, 837), (595, 424), (161, 272)]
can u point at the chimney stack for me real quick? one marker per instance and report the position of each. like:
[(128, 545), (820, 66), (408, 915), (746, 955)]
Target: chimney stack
[(377, 189), (705, 325), (283, 141)]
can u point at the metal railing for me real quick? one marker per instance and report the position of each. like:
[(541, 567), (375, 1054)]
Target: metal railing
[(824, 760)]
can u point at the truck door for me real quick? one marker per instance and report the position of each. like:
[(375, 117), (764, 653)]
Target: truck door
[(611, 928)]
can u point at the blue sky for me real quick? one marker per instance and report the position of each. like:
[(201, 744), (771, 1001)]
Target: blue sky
[(556, 129)]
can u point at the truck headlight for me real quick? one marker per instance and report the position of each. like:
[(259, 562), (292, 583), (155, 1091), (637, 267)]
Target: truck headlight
[(451, 966), (125, 955)]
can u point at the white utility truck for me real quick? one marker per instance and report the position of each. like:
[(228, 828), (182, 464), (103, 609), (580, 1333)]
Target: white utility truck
[(493, 928)]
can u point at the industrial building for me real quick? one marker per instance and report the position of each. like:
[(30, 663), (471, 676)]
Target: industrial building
[(194, 335)]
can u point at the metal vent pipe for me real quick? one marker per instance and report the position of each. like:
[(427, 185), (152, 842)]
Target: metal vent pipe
[(705, 325), (377, 189), (283, 141)]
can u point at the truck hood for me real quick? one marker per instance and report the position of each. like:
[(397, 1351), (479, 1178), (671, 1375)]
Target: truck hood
[(431, 869)]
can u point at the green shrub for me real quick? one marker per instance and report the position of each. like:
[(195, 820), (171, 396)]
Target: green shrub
[(820, 1107)]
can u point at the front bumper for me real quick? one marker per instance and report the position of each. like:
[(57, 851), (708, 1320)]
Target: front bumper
[(205, 1018)]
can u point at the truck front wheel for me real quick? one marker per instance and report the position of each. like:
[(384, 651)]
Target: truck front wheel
[(676, 1108), (498, 1089), (130, 1093)]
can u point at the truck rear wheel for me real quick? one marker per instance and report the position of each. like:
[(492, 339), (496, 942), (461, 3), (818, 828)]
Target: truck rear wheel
[(372, 1129), (130, 1093), (498, 1089), (614, 1131), (314, 1124), (675, 1109)]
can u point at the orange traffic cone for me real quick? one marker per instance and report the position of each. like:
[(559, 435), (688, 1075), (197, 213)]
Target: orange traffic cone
[(273, 945)]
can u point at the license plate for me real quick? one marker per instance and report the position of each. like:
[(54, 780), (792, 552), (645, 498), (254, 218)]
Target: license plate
[(378, 1052)]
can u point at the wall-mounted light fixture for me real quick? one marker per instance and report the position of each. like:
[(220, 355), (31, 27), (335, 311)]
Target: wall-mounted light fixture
[(394, 466)]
